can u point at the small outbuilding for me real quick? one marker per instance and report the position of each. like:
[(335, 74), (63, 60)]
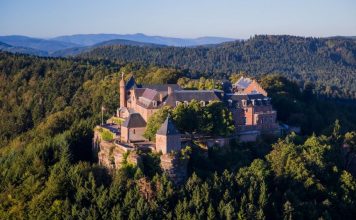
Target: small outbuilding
[(168, 137), (133, 128)]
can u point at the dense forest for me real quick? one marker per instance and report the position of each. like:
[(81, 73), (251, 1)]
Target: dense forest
[(49, 107), (329, 63)]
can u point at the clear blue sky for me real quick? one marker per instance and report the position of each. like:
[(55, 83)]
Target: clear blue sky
[(180, 18)]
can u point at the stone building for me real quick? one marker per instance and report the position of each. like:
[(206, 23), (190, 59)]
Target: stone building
[(133, 128), (168, 138), (253, 112), (248, 102), (246, 99)]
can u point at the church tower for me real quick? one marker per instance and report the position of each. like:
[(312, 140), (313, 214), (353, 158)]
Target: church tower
[(122, 92)]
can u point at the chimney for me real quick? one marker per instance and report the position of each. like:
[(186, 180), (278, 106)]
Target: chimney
[(170, 90)]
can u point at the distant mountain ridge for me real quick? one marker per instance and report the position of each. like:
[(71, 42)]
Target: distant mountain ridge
[(36, 43), (77, 50), (23, 50), (92, 39), (75, 44)]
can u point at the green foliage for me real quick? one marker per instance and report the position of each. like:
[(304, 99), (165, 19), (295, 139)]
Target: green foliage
[(46, 170), (213, 119), (116, 120), (303, 108), (186, 152), (218, 119), (152, 74), (236, 76), (106, 135), (60, 90), (155, 122), (200, 84), (329, 63), (188, 118)]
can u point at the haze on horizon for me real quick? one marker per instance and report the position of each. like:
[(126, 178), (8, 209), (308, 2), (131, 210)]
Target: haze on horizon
[(190, 19)]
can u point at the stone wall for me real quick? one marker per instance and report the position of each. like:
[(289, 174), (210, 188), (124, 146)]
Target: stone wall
[(136, 134), (144, 112), (124, 134), (167, 144)]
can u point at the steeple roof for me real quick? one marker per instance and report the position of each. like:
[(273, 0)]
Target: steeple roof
[(168, 128), (131, 83)]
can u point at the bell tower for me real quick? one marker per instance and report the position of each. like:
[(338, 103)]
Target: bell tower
[(122, 92)]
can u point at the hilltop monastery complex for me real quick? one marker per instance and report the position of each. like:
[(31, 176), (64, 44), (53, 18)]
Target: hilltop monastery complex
[(248, 102)]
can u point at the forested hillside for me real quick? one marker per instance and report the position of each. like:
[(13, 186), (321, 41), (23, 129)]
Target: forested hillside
[(329, 63), (49, 107)]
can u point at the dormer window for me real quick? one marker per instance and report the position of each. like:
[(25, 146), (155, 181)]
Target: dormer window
[(154, 103), (202, 103), (244, 102)]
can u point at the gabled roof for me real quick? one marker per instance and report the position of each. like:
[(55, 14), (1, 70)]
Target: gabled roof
[(134, 120), (243, 82), (138, 92), (150, 94), (168, 128)]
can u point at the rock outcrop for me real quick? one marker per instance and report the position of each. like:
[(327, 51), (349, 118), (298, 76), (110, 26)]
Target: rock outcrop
[(175, 167)]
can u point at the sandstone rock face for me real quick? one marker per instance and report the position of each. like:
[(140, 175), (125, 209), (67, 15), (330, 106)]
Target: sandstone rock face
[(106, 154), (134, 158), (118, 157), (175, 167), (112, 156)]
